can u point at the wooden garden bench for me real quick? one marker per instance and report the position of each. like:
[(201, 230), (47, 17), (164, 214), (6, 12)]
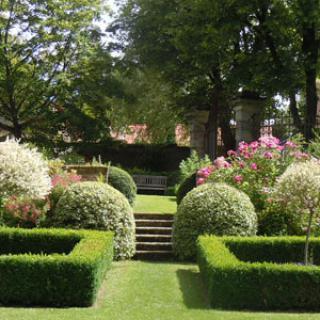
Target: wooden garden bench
[(145, 182)]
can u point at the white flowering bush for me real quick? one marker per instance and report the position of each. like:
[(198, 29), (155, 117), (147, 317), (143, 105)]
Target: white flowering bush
[(298, 191), (23, 171), (96, 205), (212, 208)]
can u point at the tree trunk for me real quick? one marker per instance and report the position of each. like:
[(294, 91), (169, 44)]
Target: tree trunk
[(297, 122), (310, 48), (228, 137), (212, 129), (306, 248), (17, 128), (312, 103)]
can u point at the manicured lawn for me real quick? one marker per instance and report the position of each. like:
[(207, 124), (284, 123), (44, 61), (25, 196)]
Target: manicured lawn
[(155, 204), (151, 291)]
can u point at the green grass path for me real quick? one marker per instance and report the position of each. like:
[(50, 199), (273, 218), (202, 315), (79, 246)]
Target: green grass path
[(155, 204), (148, 291)]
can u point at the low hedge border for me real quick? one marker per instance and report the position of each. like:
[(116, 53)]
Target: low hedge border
[(61, 268), (268, 282)]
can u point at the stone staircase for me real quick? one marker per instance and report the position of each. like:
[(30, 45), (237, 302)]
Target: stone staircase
[(153, 236)]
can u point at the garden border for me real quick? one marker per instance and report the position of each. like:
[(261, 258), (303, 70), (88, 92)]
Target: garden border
[(54, 279), (236, 284)]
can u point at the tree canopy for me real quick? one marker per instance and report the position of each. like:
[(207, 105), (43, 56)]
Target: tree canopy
[(39, 42), (215, 49)]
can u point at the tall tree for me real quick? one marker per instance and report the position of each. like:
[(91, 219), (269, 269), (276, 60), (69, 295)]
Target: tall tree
[(38, 43), (147, 100), (268, 47)]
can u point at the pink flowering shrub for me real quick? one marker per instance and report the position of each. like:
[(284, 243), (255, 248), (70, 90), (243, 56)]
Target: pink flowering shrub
[(60, 182), (254, 167), (65, 179), (24, 211)]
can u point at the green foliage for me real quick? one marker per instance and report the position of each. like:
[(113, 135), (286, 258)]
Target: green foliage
[(48, 263), (192, 164), (40, 42), (23, 211), (93, 205), (260, 284), (297, 190), (314, 145), (123, 182), (216, 209), (275, 220), (156, 108), (254, 167), (185, 186)]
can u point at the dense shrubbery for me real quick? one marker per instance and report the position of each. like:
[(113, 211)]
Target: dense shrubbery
[(254, 167), (123, 182), (93, 205), (212, 209), (234, 284), (60, 182), (24, 211), (186, 185), (81, 259), (275, 220), (298, 192), (193, 163), (23, 171)]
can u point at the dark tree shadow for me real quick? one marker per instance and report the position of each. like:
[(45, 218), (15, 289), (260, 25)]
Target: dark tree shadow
[(193, 290)]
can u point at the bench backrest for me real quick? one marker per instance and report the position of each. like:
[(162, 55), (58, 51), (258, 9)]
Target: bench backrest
[(150, 182)]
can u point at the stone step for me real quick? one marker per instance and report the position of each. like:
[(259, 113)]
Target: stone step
[(153, 238), (153, 255), (154, 216), (154, 246), (153, 223), (153, 230)]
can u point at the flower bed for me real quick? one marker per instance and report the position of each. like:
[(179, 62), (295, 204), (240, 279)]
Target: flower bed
[(259, 273), (52, 267)]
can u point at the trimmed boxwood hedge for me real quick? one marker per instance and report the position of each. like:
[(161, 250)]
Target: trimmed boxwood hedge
[(259, 273), (61, 267)]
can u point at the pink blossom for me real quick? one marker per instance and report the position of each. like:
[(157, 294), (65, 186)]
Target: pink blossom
[(200, 181), (227, 165), (290, 144), (241, 164), (220, 162), (269, 142), (238, 179), (301, 155), (268, 155), (232, 153), (254, 166), (243, 147)]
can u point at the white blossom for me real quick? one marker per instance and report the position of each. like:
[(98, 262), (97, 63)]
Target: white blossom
[(23, 171)]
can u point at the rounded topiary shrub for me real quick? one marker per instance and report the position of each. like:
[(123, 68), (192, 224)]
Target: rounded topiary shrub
[(212, 208), (122, 181), (95, 205), (187, 185)]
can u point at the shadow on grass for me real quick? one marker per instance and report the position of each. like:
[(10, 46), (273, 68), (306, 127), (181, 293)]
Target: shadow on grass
[(193, 289)]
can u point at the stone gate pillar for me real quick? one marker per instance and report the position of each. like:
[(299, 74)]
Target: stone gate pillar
[(248, 116), (198, 121)]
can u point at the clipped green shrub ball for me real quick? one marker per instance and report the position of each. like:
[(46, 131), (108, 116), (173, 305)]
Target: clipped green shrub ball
[(212, 208), (187, 185), (123, 182), (96, 205)]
